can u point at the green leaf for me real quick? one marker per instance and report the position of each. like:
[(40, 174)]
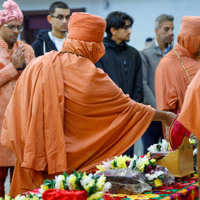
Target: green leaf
[(115, 163), (92, 190), (65, 175)]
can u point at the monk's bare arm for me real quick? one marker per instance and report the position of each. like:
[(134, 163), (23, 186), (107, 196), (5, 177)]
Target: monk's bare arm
[(164, 116)]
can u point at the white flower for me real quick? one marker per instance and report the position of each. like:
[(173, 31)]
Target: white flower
[(164, 145), (59, 180), (106, 187), (135, 158), (86, 181), (195, 152), (153, 176), (71, 181), (20, 197), (107, 164), (152, 148)]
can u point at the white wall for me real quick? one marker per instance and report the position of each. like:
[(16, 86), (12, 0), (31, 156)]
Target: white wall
[(144, 12)]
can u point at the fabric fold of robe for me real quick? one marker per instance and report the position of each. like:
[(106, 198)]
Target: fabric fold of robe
[(190, 115)]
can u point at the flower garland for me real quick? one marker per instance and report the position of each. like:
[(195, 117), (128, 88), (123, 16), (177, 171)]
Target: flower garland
[(93, 185), (144, 164), (21, 197)]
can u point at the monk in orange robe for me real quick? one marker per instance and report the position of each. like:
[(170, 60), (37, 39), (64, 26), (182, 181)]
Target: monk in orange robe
[(178, 67), (189, 116), (67, 114)]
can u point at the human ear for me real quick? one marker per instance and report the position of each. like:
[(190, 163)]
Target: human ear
[(113, 31), (49, 18)]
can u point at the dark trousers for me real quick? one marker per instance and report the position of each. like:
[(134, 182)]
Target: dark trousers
[(153, 135), (3, 175), (130, 152)]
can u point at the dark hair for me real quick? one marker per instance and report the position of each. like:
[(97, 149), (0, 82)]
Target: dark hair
[(163, 18), (149, 39), (57, 4), (117, 20)]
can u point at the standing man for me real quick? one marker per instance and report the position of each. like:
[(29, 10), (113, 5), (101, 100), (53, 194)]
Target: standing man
[(122, 62), (14, 55), (59, 14), (151, 56)]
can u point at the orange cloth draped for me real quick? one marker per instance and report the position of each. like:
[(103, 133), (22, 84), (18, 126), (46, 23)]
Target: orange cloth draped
[(66, 114), (171, 80), (190, 114)]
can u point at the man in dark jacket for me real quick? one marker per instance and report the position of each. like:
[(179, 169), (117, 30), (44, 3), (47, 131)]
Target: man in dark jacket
[(58, 17), (121, 61)]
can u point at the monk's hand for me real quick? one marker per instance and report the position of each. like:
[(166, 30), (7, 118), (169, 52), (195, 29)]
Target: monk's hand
[(18, 57), (164, 116), (168, 119)]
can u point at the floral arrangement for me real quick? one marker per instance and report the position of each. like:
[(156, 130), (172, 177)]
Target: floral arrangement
[(93, 185), (162, 146), (22, 197), (143, 164)]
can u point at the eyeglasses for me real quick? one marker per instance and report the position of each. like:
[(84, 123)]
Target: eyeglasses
[(61, 17), (13, 27), (126, 27)]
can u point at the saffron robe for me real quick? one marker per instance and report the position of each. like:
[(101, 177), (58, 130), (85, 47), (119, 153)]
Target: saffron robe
[(66, 114), (171, 81), (190, 115)]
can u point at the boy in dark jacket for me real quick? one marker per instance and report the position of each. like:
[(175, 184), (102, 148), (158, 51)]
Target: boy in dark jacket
[(58, 17), (121, 61)]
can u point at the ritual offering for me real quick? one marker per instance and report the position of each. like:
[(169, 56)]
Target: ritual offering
[(134, 175)]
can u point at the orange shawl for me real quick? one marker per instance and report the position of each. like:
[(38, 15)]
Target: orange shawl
[(66, 114), (190, 114)]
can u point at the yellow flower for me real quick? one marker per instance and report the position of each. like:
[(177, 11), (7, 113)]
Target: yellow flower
[(89, 185), (192, 141), (169, 147), (148, 155), (100, 183), (95, 196), (121, 162), (7, 197), (141, 166), (73, 179), (153, 160), (44, 187), (62, 186), (101, 168), (84, 175), (35, 198), (158, 182)]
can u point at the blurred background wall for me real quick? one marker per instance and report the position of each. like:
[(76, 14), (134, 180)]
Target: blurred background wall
[(144, 13)]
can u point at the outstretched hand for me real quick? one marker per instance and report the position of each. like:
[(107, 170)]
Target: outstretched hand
[(167, 118), (164, 116)]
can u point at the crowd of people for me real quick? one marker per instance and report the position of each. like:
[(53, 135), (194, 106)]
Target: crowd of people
[(75, 92)]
